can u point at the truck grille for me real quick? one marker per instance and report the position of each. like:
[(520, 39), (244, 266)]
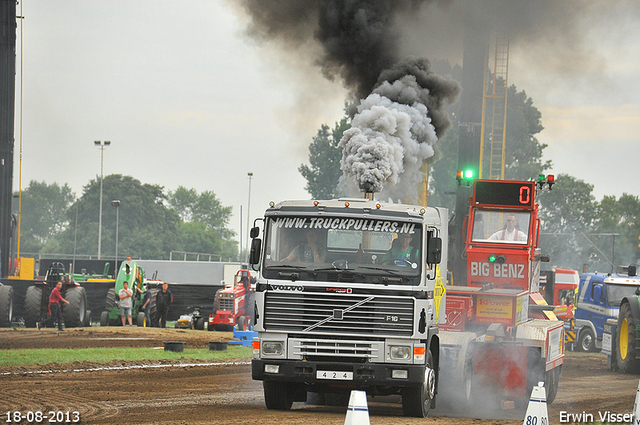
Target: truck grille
[(226, 304), (312, 348), (306, 313)]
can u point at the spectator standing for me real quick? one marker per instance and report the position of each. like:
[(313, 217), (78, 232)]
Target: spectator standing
[(126, 302), (55, 300), (163, 301)]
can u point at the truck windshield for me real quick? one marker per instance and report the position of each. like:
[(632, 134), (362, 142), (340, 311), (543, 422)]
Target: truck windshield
[(500, 226), (615, 293), (339, 248)]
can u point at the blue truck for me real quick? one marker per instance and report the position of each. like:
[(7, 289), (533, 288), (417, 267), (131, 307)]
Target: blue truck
[(599, 299)]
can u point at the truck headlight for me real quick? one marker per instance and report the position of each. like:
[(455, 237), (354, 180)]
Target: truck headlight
[(272, 348), (400, 352)]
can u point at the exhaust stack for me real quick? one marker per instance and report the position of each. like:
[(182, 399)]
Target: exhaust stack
[(368, 195)]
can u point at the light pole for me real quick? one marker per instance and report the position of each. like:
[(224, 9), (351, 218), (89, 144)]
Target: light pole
[(102, 146), (246, 254), (116, 203)]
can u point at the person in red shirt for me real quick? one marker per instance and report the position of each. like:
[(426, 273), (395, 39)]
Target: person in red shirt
[(55, 300)]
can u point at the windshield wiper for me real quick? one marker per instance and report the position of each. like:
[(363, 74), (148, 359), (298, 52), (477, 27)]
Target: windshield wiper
[(285, 266), (337, 270), (399, 277)]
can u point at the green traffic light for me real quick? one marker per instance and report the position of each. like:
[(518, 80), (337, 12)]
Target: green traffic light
[(493, 258), (541, 178), (468, 174)]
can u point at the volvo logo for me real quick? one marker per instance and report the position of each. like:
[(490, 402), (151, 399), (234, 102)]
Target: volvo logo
[(293, 288)]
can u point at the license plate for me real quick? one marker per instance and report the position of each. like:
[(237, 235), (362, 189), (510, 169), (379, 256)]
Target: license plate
[(606, 343), (337, 375)]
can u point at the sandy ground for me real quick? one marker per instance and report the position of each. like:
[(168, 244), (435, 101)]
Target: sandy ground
[(189, 393)]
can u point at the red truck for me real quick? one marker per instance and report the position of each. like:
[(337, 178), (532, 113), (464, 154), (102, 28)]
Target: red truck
[(559, 286), (233, 305)]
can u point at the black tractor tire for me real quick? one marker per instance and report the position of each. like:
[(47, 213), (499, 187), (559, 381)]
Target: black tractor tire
[(200, 324), (104, 318), (141, 320), (626, 339), (87, 319), (75, 311), (32, 301), (153, 312), (109, 304), (416, 401), (242, 324), (6, 306), (586, 340), (277, 395)]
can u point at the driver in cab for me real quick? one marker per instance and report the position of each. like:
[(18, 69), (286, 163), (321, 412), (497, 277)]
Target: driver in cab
[(510, 231), (401, 250), (309, 251)]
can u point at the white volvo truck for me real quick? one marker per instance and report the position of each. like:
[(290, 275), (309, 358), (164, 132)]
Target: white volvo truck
[(349, 297)]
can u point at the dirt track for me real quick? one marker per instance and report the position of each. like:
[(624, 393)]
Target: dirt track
[(225, 393)]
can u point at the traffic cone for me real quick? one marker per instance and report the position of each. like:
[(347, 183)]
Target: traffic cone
[(357, 412), (636, 407), (537, 408)]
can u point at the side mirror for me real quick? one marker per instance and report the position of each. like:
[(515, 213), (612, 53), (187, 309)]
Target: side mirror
[(597, 293), (254, 232), (254, 253), (434, 253)]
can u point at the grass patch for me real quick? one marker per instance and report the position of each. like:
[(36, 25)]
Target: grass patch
[(107, 355)]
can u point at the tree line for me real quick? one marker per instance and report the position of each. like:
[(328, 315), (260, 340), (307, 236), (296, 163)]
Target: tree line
[(151, 222), (577, 229)]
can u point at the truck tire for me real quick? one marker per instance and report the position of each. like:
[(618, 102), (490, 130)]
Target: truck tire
[(586, 340), (416, 401), (552, 378), (277, 395), (626, 340), (32, 301), (104, 318), (6, 306), (75, 311)]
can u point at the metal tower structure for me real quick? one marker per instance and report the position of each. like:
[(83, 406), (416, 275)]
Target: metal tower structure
[(494, 102)]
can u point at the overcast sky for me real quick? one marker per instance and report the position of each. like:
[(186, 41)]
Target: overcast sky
[(187, 99)]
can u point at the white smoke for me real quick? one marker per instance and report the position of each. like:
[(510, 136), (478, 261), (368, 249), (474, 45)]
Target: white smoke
[(389, 139)]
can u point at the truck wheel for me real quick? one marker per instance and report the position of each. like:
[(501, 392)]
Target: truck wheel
[(586, 340), (74, 312), (277, 395), (6, 306), (626, 338), (32, 301), (416, 401), (552, 378), (104, 318), (468, 382)]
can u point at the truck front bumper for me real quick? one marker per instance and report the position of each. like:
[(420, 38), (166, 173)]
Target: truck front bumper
[(363, 375)]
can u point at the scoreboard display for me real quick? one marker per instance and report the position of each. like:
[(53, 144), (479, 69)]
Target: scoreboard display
[(504, 193)]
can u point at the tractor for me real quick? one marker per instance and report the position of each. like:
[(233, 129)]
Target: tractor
[(233, 305), (36, 301), (132, 273)]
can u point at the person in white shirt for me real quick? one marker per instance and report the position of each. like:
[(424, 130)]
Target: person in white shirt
[(510, 231)]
